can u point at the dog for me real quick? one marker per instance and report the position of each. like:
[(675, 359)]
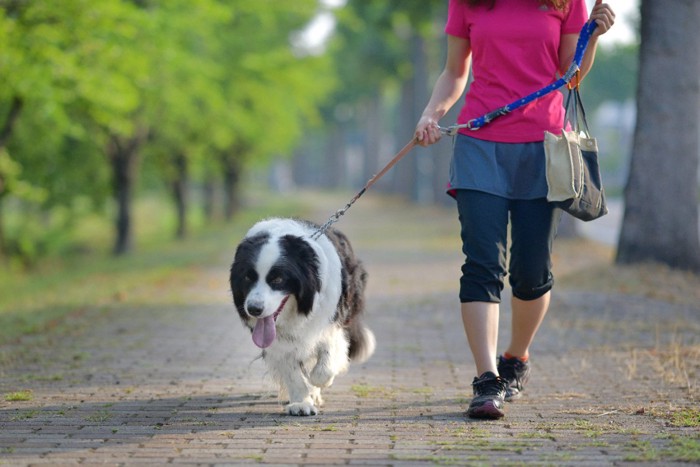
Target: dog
[(303, 298)]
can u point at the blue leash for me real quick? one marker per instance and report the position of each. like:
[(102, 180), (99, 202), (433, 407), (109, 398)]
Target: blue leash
[(476, 123)]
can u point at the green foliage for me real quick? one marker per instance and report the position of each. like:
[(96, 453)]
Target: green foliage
[(10, 174), (200, 78), (613, 76)]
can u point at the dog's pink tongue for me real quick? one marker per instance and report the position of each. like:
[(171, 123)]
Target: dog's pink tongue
[(264, 332)]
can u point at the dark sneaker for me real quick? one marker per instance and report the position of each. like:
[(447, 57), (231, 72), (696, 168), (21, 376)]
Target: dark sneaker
[(516, 373), (489, 394)]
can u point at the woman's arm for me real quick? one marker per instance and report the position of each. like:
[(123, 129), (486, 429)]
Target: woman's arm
[(447, 90), (604, 16)]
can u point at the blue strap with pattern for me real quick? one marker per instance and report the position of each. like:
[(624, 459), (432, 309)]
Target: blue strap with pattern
[(476, 123)]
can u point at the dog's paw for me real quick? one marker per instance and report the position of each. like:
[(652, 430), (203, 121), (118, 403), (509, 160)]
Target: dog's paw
[(316, 398), (303, 409), (321, 376)]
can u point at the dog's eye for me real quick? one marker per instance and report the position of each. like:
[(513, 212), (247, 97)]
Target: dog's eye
[(249, 277), (276, 280)]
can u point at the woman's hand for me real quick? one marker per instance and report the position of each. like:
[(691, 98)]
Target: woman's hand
[(427, 131), (604, 16)]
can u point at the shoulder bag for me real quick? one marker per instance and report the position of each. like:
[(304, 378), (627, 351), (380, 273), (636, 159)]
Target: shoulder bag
[(573, 174)]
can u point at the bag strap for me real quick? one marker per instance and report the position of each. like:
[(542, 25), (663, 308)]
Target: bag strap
[(575, 113)]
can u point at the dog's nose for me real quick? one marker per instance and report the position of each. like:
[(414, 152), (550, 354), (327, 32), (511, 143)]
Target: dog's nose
[(255, 309)]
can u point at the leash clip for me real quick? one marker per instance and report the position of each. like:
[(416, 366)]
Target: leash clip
[(452, 130), (449, 131)]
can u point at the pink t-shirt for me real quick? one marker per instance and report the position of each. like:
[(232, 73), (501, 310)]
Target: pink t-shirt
[(515, 51)]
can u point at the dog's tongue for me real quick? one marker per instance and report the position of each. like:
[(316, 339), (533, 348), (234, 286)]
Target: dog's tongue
[(264, 332)]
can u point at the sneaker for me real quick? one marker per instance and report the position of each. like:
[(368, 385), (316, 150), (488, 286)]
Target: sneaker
[(489, 394), (516, 373)]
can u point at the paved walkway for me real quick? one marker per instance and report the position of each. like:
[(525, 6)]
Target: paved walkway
[(176, 380)]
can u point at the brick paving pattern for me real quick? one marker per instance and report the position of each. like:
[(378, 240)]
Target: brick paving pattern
[(181, 383)]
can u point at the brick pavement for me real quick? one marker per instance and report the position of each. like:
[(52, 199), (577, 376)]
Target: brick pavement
[(179, 382)]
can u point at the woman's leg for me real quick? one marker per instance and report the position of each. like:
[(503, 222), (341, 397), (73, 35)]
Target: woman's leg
[(481, 327), (484, 221), (533, 228), (527, 315)]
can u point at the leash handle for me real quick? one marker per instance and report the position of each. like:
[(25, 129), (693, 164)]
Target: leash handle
[(340, 212)]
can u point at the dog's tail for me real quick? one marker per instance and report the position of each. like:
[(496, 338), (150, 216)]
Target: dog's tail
[(362, 342)]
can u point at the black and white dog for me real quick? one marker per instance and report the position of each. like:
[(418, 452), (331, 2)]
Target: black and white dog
[(302, 298)]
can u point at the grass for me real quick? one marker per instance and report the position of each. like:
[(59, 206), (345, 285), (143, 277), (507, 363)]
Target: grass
[(687, 417), (680, 449), (586, 265), (681, 417), (366, 391), (99, 417), (19, 396), (62, 289), (24, 415)]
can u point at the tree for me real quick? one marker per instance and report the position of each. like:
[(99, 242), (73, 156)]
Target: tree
[(185, 102), (661, 197), (272, 92), (45, 161)]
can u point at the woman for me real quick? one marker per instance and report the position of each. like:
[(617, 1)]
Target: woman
[(497, 173)]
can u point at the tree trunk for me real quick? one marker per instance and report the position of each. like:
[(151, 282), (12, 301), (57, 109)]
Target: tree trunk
[(10, 121), (3, 241), (179, 187), (231, 176), (374, 160), (661, 198), (5, 133), (424, 160), (409, 179), (414, 174), (208, 194), (333, 165), (123, 157)]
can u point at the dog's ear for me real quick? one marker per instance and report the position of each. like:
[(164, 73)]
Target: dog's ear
[(243, 274), (303, 261)]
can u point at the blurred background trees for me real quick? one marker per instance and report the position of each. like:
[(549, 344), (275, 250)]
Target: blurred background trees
[(111, 103), (101, 102)]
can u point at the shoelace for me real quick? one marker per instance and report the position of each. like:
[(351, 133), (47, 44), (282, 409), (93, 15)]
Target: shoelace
[(489, 385)]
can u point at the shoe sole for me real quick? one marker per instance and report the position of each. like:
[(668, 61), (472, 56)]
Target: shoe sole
[(487, 411)]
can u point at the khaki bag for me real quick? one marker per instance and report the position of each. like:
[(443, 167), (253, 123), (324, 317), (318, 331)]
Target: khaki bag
[(573, 174)]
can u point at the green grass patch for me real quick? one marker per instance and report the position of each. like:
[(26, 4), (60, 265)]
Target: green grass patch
[(99, 417), (680, 449), (19, 396), (24, 415), (434, 459), (364, 391), (684, 449), (687, 417)]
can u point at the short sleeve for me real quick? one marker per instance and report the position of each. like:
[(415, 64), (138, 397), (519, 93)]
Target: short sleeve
[(575, 18), (456, 21)]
